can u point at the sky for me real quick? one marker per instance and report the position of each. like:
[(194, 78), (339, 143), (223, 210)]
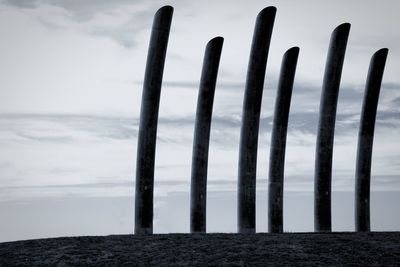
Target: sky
[(70, 90)]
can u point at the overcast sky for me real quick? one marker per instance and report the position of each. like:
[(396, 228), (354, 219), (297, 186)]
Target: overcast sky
[(70, 90)]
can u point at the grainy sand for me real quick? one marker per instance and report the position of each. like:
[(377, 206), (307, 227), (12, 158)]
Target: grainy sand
[(355, 249)]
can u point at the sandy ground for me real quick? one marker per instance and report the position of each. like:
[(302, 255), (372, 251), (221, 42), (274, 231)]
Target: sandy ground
[(355, 249)]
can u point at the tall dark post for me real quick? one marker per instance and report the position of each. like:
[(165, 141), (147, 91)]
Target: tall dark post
[(198, 194), (365, 140), (278, 140), (326, 128), (148, 121), (251, 119)]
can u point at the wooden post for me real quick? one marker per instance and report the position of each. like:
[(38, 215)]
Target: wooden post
[(278, 140), (251, 119), (205, 100), (326, 128), (365, 140), (149, 119)]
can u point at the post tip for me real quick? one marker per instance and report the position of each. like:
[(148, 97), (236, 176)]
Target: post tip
[(343, 27), (382, 51), (271, 10), (294, 49), (217, 39), (380, 55), (292, 52), (165, 9)]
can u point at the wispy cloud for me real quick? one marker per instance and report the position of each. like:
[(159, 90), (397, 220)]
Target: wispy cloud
[(22, 3), (119, 20)]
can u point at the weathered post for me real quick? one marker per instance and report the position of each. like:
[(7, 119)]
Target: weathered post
[(278, 140), (205, 100), (251, 119), (148, 121), (326, 128), (365, 140)]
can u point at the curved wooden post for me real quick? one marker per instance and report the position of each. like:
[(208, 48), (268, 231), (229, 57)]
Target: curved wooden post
[(251, 120), (365, 140), (149, 119), (205, 100), (326, 128), (278, 140)]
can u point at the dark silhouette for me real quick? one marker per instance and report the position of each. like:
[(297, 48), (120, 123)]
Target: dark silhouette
[(365, 140), (205, 100), (250, 129), (326, 128), (251, 120), (278, 140), (148, 121)]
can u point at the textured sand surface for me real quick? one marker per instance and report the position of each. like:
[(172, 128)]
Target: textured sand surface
[(360, 249)]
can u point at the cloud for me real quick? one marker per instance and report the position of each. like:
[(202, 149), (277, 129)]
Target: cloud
[(396, 102), (195, 85), (56, 154), (120, 20), (64, 127), (81, 10), (22, 3), (59, 128)]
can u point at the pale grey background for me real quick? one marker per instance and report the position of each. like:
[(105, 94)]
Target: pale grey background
[(70, 88)]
